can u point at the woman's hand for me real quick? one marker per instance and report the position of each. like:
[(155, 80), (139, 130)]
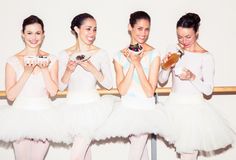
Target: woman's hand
[(29, 67), (166, 58), (89, 67), (187, 75), (133, 58), (86, 65), (43, 64), (71, 65)]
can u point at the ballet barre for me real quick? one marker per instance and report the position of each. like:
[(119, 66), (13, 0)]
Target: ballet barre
[(164, 91), (160, 91)]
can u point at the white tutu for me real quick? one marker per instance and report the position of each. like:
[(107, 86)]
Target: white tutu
[(27, 118), (81, 119), (132, 117), (196, 125)]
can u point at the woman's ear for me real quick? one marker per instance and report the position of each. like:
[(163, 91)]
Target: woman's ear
[(22, 36), (197, 34), (43, 35), (129, 29), (76, 29)]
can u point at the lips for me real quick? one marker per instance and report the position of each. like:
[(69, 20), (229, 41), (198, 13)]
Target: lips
[(142, 38), (91, 38), (34, 42), (186, 46)]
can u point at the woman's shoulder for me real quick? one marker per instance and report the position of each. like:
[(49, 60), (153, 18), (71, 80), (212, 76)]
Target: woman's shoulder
[(63, 54), (203, 52), (15, 57), (208, 56), (148, 47), (205, 56), (12, 59), (43, 53), (200, 49), (152, 52), (120, 53), (100, 52)]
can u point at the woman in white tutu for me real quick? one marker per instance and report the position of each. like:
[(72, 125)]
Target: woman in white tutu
[(31, 77), (137, 69), (196, 126), (81, 68)]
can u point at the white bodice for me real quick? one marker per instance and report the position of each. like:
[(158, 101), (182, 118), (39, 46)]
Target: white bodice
[(135, 95), (202, 65), (82, 84), (33, 94)]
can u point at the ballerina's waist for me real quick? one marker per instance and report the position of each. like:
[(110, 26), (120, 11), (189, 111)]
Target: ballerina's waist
[(82, 97), (177, 98), (32, 103), (138, 103)]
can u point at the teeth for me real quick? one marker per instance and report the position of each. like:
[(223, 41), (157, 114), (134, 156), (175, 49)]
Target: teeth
[(142, 38), (33, 42)]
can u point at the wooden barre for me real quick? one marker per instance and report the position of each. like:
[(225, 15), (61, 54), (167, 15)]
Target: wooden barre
[(162, 91)]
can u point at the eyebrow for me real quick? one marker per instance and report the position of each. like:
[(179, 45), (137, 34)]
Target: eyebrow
[(90, 26), (142, 27), (184, 35)]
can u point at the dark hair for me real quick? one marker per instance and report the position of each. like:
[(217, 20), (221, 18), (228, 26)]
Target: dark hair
[(78, 20), (189, 20), (134, 17), (31, 20)]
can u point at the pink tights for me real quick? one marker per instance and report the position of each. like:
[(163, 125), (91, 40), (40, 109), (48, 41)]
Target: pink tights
[(189, 156), (30, 150), (80, 149), (138, 149)]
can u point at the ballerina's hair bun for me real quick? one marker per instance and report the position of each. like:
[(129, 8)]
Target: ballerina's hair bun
[(189, 20), (79, 20)]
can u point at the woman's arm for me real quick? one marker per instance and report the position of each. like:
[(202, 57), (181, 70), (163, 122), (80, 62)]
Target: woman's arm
[(12, 85), (51, 78), (123, 81), (164, 76), (100, 76), (106, 72), (165, 73), (149, 84), (205, 84), (65, 78)]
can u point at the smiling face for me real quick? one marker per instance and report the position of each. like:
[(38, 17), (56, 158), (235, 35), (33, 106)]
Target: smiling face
[(33, 35), (187, 37), (87, 31), (140, 31)]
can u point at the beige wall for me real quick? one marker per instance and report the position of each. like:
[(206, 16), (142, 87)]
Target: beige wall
[(217, 34)]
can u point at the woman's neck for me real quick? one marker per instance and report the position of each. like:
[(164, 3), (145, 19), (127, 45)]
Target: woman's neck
[(195, 48), (81, 46)]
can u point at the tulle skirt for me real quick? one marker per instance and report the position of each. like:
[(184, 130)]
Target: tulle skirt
[(80, 118), (134, 117), (196, 125), (26, 118)]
